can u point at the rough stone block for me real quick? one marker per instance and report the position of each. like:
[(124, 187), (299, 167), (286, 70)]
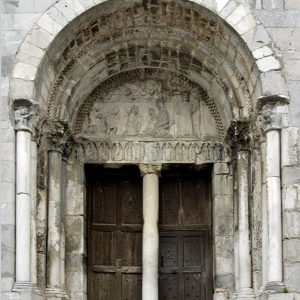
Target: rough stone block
[(8, 214), (223, 225), (75, 206), (7, 238), (224, 247), (292, 69), (223, 185), (7, 135), (294, 87), (228, 9), (273, 4), (291, 224), (78, 296), (8, 192), (290, 176), (7, 151), (39, 37), (291, 197), (291, 249), (223, 205), (41, 6), (221, 168), (6, 64), (7, 284), (219, 5), (76, 262), (257, 280), (292, 5), (268, 63), (76, 281), (262, 52), (21, 88), (273, 83), (10, 41), (257, 37), (291, 275), (7, 264), (25, 21), (225, 282), (75, 234), (9, 296), (281, 296), (48, 24), (246, 24), (289, 146), (270, 18), (7, 22), (224, 265)]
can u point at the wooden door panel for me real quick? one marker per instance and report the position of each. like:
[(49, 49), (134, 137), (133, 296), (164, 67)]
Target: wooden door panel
[(185, 243), (115, 239), (169, 284)]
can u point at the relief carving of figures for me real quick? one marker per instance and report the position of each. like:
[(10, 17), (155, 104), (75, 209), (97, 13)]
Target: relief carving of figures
[(91, 152), (218, 151), (117, 152), (95, 122), (185, 111), (192, 152), (206, 151), (180, 152), (142, 152), (167, 151), (163, 124), (151, 121), (104, 151), (133, 125), (155, 151), (111, 121), (129, 155), (25, 114)]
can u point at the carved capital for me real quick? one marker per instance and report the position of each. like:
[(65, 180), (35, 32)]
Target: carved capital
[(60, 137), (26, 114), (238, 136), (270, 119), (150, 169)]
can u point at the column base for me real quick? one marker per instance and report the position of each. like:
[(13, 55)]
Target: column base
[(26, 290), (244, 294), (274, 287), (56, 294)]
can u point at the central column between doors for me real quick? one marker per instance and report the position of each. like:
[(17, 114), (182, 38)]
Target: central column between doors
[(150, 175)]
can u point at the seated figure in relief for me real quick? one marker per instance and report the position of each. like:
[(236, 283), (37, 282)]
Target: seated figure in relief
[(185, 111), (162, 124), (95, 123)]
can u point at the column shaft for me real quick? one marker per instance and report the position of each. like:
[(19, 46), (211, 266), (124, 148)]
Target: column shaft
[(273, 193), (243, 223), (54, 217), (33, 214), (150, 237), (23, 206)]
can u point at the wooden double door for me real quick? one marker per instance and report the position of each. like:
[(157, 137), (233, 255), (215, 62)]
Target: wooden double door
[(115, 220)]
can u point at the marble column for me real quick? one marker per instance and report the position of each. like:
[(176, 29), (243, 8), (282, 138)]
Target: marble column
[(150, 175), (272, 122), (273, 194), (243, 188), (24, 119), (56, 189)]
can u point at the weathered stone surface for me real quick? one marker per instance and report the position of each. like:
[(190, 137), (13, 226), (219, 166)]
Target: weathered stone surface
[(290, 176), (225, 281), (289, 146), (273, 83), (223, 226), (6, 64), (291, 249), (228, 8), (76, 281), (291, 224), (221, 168), (76, 262), (291, 275), (273, 4), (223, 184), (223, 205), (290, 197), (294, 87), (75, 234), (7, 237), (292, 5)]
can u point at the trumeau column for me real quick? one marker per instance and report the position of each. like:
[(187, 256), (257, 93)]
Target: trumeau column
[(60, 137), (25, 120), (150, 175), (272, 122)]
